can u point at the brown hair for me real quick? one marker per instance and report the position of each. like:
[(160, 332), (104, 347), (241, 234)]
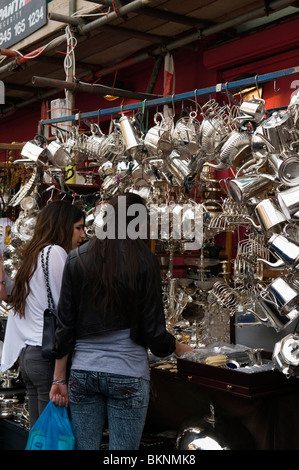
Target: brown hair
[(54, 226), (116, 264)]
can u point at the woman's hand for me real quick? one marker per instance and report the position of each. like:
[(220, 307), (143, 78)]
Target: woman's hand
[(181, 348), (59, 394)]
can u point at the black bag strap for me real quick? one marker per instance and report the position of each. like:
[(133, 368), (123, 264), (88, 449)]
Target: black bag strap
[(45, 267)]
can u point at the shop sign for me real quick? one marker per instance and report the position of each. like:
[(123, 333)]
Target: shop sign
[(19, 19)]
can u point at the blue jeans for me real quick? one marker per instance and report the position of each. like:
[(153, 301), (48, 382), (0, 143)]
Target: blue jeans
[(37, 374), (96, 398)]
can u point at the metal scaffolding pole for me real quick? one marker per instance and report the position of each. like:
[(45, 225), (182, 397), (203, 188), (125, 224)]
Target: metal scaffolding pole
[(219, 88)]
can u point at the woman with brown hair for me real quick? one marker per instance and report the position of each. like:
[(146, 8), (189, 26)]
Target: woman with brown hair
[(110, 313), (59, 228)]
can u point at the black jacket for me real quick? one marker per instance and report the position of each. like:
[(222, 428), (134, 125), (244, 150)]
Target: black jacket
[(77, 318)]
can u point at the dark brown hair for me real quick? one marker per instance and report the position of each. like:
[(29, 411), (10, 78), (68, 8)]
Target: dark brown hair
[(116, 264), (54, 226)]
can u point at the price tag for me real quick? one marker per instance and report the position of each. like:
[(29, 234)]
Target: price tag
[(19, 19)]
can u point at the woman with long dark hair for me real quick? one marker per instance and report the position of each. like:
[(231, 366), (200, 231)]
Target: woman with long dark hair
[(110, 312), (59, 228)]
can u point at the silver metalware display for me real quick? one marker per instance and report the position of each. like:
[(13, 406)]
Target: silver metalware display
[(133, 144), (245, 187), (267, 313), (253, 109), (289, 201), (286, 355), (269, 215), (58, 155), (283, 294), (288, 171), (177, 166), (287, 251), (280, 131), (235, 151)]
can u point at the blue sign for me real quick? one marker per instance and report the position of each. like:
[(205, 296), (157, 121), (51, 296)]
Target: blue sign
[(19, 19)]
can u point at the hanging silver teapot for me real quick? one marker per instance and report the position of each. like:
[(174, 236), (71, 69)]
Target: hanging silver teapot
[(268, 313), (269, 216), (243, 188), (279, 130), (186, 133), (177, 166), (133, 144), (35, 149), (157, 139), (253, 110), (234, 152), (287, 251), (289, 201), (283, 294), (58, 155)]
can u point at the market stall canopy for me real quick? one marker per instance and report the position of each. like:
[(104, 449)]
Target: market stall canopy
[(112, 35)]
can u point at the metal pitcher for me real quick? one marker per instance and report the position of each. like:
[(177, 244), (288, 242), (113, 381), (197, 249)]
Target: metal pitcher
[(177, 166), (157, 139), (58, 155), (186, 132), (283, 295), (34, 149), (243, 188), (234, 152), (211, 133), (131, 140), (95, 141), (289, 201), (253, 109), (288, 171), (269, 215), (279, 129), (287, 250), (272, 316)]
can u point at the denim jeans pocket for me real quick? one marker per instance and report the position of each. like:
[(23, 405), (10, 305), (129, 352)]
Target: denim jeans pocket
[(77, 385), (127, 391)]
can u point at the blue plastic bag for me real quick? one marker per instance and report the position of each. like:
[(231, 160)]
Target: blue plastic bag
[(52, 430)]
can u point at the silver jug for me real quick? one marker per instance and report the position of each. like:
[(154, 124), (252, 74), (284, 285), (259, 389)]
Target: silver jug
[(289, 201), (288, 172), (283, 295), (35, 150), (234, 152), (287, 250), (272, 316), (133, 144), (177, 166), (186, 132), (269, 216), (243, 188), (58, 155), (253, 109), (157, 139), (279, 129), (95, 141)]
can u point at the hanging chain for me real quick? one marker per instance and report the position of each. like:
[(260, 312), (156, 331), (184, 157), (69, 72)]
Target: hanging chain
[(46, 274)]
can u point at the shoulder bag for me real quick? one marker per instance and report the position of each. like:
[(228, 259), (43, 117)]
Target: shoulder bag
[(50, 314)]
